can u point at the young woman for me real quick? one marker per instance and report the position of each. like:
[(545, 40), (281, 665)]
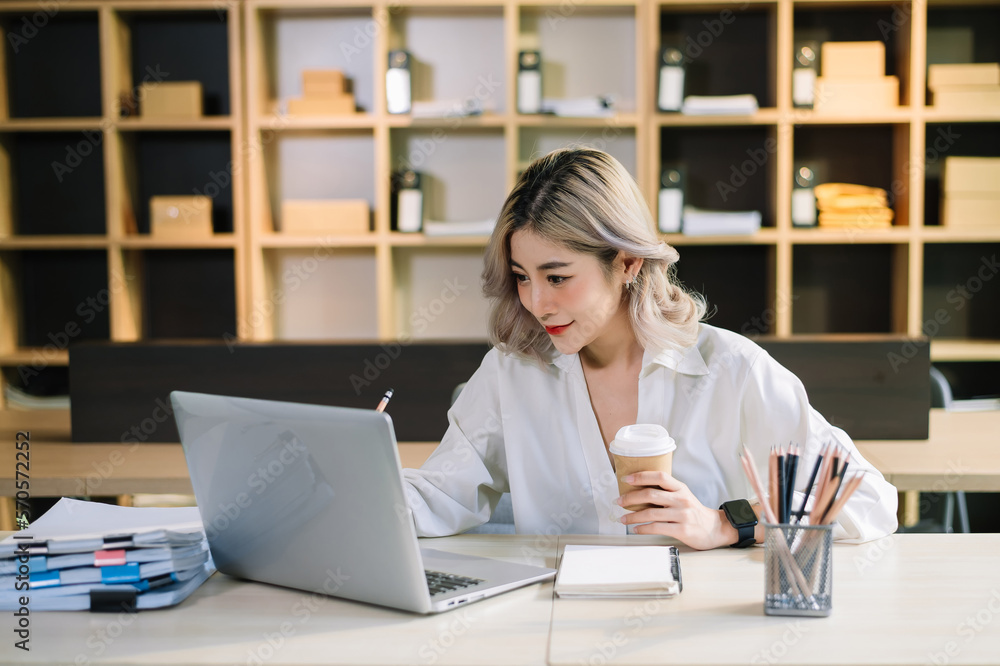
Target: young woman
[(591, 332)]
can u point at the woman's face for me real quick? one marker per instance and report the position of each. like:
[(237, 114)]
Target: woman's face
[(565, 290)]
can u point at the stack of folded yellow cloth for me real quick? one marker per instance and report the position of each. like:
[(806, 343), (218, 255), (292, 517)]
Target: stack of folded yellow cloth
[(844, 205)]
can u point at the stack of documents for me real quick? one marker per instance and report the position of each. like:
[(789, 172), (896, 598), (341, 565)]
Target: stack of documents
[(92, 556), (845, 205), (698, 222), (619, 571), (725, 105)]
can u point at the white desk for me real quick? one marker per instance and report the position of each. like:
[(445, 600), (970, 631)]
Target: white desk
[(898, 601)]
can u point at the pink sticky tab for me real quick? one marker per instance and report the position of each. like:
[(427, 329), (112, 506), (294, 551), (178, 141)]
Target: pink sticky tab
[(109, 558)]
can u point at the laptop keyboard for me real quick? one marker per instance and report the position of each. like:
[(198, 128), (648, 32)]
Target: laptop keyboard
[(439, 582)]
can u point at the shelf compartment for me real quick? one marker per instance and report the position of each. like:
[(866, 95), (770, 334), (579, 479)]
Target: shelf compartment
[(872, 155), (319, 293), (433, 35), (962, 32), (847, 289), (438, 294), (315, 164), (53, 64), (295, 39), (961, 291), (861, 22), (730, 51), (177, 163), (943, 141), (736, 282), (619, 142), (463, 170), (181, 45), (186, 293), (61, 296), (56, 183), (586, 50), (728, 168)]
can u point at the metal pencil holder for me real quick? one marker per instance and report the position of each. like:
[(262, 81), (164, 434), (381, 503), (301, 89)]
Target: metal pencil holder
[(798, 564)]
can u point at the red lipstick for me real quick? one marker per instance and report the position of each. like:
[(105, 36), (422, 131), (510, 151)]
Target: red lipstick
[(556, 330)]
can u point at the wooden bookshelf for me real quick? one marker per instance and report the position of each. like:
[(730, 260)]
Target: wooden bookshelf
[(254, 282)]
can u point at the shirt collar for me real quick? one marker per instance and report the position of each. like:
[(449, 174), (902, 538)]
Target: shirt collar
[(687, 361)]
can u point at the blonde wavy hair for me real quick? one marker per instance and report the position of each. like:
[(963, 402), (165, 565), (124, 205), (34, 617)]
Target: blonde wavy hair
[(586, 201)]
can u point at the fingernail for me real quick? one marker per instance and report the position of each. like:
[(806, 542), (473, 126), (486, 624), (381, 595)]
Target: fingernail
[(630, 478), (619, 501)]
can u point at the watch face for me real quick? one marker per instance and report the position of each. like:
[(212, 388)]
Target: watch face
[(741, 512)]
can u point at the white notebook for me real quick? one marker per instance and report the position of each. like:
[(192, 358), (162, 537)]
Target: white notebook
[(619, 571)]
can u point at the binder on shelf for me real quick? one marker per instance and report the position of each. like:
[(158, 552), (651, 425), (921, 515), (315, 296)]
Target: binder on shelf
[(804, 196), (670, 96), (804, 74), (409, 201), (529, 82), (671, 199), (398, 88)]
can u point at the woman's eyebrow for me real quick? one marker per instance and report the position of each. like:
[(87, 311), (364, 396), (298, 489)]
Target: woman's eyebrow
[(545, 267)]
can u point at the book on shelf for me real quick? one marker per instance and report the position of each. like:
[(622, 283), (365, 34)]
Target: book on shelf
[(619, 571), (92, 556)]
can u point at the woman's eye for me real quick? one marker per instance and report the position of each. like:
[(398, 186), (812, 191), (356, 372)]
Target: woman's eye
[(556, 279), (520, 278)]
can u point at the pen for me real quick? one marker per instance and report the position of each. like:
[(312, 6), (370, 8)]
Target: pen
[(385, 401)]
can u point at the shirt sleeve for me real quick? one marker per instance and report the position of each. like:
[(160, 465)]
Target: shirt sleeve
[(459, 485), (775, 411)]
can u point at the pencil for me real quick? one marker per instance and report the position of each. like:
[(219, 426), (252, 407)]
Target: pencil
[(782, 488), (812, 478), (384, 401), (793, 466)]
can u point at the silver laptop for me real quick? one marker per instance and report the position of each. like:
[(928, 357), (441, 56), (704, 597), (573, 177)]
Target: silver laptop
[(311, 497)]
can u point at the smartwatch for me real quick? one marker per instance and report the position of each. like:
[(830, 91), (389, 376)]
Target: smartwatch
[(741, 516)]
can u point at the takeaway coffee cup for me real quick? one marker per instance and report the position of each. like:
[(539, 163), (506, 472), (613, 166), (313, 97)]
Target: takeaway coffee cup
[(643, 447)]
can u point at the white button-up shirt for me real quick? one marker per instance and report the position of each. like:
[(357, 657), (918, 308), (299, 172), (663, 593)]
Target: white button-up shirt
[(531, 430)]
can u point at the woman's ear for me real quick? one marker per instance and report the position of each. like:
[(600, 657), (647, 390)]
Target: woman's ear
[(632, 265)]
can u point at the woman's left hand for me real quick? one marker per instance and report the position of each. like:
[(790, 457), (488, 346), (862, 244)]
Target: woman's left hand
[(677, 513)]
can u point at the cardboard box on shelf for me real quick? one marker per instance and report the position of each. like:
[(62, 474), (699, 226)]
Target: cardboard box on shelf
[(321, 106), (180, 216), (971, 175), (970, 211), (339, 216), (968, 74), (966, 99), (852, 60), (170, 99), (322, 83), (856, 95)]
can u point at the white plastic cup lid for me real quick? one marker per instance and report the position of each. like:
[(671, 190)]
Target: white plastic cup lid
[(642, 439)]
